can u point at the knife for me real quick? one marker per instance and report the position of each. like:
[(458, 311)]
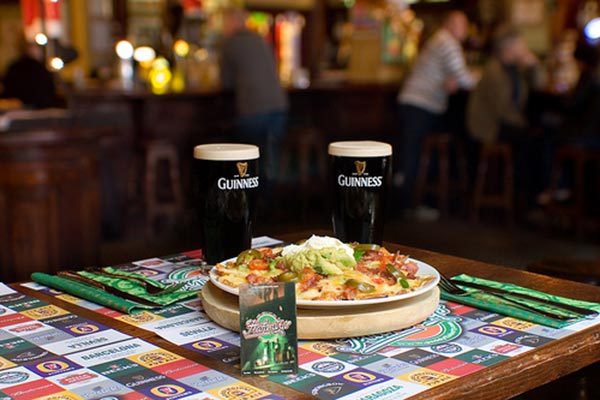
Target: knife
[(568, 307)]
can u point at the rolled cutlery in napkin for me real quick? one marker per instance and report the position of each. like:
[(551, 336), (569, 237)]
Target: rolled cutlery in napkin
[(495, 304)]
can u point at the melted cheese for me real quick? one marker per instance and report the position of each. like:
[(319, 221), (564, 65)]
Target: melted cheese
[(327, 288)]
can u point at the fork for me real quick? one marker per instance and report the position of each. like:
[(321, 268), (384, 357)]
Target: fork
[(448, 286)]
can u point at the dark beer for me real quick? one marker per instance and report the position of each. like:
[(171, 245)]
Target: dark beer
[(361, 175), (227, 185)]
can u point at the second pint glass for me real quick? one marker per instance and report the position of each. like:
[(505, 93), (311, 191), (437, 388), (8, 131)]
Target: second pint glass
[(227, 185), (361, 176)]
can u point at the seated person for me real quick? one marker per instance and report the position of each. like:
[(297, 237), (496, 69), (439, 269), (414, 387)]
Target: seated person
[(496, 109), (580, 125), (28, 79)]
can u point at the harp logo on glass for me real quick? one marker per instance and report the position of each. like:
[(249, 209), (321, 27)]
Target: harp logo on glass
[(360, 178), (242, 168), (239, 181)]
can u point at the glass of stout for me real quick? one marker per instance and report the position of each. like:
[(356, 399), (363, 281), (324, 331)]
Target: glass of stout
[(227, 184), (360, 179)]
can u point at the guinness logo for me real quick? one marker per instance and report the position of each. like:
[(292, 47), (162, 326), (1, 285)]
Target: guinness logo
[(360, 167), (242, 168)]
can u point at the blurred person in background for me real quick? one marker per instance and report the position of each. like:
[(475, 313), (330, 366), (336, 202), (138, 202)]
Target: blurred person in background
[(580, 122), (582, 112), (248, 68), (439, 70), (28, 79), (496, 110)]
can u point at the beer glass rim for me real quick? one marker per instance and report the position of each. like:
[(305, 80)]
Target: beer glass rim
[(226, 152), (360, 148)]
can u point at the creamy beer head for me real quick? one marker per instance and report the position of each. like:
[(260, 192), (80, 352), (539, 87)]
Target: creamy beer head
[(226, 152), (360, 148)]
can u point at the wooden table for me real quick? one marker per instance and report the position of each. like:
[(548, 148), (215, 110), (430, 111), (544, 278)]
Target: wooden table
[(503, 380)]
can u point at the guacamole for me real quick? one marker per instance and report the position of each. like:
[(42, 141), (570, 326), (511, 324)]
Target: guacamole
[(325, 261)]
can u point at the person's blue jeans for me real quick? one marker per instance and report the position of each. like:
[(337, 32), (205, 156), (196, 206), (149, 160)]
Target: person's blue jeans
[(267, 131), (416, 123)]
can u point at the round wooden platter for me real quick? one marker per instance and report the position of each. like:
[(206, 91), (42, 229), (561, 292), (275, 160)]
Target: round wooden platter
[(335, 322)]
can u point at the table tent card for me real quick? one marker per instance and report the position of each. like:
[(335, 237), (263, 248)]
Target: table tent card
[(269, 343)]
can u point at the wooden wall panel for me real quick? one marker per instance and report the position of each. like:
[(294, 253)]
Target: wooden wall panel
[(49, 202)]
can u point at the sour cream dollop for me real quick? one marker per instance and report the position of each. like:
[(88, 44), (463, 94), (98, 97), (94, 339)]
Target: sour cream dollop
[(316, 243)]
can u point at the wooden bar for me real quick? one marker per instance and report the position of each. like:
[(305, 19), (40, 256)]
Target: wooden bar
[(49, 201)]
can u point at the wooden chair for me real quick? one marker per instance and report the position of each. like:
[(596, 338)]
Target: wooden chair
[(494, 184), (443, 187)]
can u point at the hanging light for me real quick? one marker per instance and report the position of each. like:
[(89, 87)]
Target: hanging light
[(144, 54), (41, 39), (124, 49), (592, 30), (181, 48), (57, 63), (160, 76)]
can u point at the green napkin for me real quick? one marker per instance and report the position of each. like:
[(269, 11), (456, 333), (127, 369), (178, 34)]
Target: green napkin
[(137, 289), (89, 293), (491, 303)]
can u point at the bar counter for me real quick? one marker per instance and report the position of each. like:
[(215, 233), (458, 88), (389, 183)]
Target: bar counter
[(504, 379), (338, 110)]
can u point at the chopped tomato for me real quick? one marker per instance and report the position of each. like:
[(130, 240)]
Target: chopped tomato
[(377, 281), (266, 252), (258, 264)]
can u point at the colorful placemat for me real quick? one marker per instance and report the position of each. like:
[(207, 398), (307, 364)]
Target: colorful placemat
[(455, 341), (49, 353)]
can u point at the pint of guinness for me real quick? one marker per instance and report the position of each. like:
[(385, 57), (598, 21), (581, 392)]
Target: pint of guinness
[(226, 187), (360, 178)]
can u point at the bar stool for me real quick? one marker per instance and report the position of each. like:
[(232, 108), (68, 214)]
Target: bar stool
[(443, 187), (581, 158), (493, 158), (171, 206)]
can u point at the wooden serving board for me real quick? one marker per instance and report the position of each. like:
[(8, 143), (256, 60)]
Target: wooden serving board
[(335, 322)]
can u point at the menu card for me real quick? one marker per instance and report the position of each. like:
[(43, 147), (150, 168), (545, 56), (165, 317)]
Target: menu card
[(269, 341)]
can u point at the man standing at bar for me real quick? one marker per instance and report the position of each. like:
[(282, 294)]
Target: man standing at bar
[(439, 70), (248, 67)]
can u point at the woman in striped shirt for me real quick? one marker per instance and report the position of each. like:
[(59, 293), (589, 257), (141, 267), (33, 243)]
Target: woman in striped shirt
[(439, 71)]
